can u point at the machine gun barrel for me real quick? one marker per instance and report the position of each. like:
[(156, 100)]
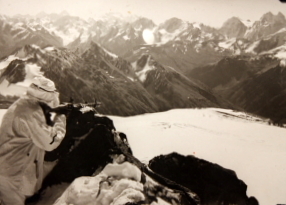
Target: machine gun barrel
[(64, 109)]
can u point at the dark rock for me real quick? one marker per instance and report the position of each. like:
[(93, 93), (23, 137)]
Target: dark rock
[(213, 183), (87, 146)]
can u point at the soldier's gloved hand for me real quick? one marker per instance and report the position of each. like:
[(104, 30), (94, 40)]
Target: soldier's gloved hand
[(59, 128)]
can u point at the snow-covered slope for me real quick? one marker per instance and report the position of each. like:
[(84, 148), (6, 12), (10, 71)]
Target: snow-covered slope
[(234, 140)]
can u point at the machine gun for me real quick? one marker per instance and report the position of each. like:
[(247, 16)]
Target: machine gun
[(66, 109)]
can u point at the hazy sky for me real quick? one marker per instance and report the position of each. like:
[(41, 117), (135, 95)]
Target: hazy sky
[(210, 12)]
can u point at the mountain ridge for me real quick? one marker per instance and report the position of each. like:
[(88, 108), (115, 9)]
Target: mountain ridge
[(98, 74), (179, 48)]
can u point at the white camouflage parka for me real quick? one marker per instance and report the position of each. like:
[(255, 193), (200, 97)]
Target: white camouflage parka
[(24, 138)]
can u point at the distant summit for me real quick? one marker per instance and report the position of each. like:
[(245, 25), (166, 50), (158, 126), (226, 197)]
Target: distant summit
[(271, 18), (268, 24), (173, 24), (233, 28)]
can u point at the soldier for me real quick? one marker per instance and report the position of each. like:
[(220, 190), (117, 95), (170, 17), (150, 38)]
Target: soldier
[(24, 138)]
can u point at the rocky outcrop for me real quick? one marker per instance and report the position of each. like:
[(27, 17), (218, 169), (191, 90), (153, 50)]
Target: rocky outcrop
[(88, 149), (213, 183)]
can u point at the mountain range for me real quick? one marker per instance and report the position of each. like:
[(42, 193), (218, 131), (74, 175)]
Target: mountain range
[(239, 65)]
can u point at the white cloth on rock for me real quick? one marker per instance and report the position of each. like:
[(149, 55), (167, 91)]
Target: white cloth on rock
[(116, 184)]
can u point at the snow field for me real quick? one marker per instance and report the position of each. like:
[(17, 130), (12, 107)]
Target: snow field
[(254, 150)]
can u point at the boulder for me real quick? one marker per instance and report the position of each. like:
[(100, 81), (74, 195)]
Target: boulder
[(212, 183)]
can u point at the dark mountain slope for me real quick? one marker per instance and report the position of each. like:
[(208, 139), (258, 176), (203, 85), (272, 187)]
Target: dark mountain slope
[(86, 81), (231, 70), (253, 84), (122, 88), (174, 89), (263, 94)]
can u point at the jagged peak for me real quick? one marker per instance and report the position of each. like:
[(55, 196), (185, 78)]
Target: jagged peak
[(280, 17), (145, 22), (280, 14), (233, 20), (233, 28), (269, 16), (173, 24), (173, 20)]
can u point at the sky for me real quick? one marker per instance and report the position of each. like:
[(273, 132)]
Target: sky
[(209, 12)]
